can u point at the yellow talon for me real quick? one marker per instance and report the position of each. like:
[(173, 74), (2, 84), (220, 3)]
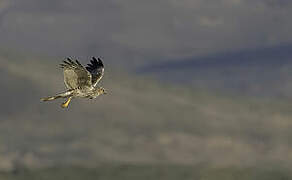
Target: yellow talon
[(66, 103)]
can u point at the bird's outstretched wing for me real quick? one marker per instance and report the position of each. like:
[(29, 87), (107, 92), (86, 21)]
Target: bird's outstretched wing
[(75, 75), (96, 70)]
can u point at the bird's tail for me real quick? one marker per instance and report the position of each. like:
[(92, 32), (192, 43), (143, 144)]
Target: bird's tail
[(61, 95), (51, 98)]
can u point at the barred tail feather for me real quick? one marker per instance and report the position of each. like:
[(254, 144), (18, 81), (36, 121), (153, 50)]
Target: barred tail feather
[(50, 98), (62, 95)]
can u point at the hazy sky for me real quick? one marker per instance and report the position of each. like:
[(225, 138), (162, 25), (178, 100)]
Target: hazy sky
[(149, 30)]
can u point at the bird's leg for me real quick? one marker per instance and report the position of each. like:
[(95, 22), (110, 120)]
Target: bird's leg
[(67, 102)]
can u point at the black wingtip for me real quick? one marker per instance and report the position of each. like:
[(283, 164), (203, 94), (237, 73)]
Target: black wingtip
[(94, 63), (70, 61), (97, 61), (78, 62), (66, 62)]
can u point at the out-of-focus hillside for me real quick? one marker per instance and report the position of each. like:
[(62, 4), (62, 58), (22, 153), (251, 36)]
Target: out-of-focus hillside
[(139, 122), (257, 72), (145, 172)]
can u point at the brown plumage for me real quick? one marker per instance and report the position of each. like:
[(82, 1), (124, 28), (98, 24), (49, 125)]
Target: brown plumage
[(80, 81)]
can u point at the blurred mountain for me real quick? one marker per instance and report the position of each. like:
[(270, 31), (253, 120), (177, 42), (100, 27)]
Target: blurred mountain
[(263, 71), (140, 121)]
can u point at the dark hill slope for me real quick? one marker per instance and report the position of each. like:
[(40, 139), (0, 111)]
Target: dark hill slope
[(265, 71)]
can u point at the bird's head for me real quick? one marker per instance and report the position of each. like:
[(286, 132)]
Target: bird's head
[(101, 90), (98, 91)]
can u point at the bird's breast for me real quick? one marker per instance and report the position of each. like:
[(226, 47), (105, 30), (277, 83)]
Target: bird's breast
[(84, 92)]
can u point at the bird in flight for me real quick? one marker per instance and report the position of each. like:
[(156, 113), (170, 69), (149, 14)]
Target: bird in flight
[(80, 81)]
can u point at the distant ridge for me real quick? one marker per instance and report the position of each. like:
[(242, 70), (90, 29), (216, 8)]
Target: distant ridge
[(267, 56), (261, 72)]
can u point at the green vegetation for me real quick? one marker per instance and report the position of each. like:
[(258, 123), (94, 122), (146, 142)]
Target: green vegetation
[(146, 172)]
